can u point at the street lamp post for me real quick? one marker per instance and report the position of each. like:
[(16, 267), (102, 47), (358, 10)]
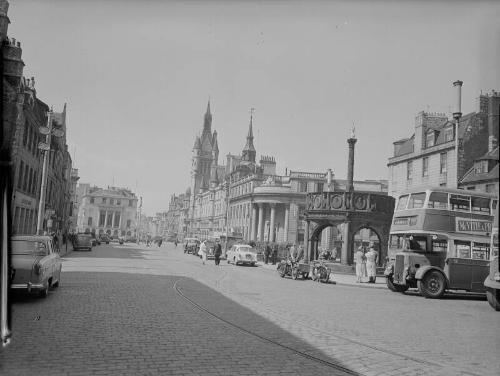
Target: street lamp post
[(227, 215), (48, 131)]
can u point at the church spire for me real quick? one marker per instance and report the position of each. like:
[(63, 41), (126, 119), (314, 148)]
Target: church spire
[(249, 150), (207, 124)]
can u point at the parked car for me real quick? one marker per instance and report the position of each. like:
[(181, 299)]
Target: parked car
[(242, 254), (83, 241), (35, 265), (104, 238), (95, 241), (191, 245)]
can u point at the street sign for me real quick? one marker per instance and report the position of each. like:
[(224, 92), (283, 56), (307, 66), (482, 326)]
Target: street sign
[(57, 132), (44, 130), (43, 146)]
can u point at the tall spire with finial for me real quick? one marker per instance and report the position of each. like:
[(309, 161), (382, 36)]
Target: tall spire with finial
[(249, 150), (207, 124)]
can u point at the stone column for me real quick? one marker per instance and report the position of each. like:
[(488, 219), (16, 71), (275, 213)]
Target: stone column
[(346, 244), (253, 223), (271, 225), (350, 164), (261, 223), (287, 214), (113, 220), (306, 242), (105, 218)]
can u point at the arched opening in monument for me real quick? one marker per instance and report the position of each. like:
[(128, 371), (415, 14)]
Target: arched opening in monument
[(365, 237), (328, 243)]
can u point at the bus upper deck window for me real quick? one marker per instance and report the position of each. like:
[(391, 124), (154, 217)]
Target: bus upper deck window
[(460, 203), (402, 202), (416, 200), (480, 204), (438, 200)]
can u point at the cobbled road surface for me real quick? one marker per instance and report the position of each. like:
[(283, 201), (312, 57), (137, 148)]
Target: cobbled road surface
[(136, 310)]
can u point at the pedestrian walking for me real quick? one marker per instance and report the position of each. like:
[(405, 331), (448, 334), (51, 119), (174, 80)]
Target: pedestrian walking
[(159, 242), (371, 264), (293, 252), (217, 253), (203, 252), (359, 258), (267, 252), (175, 242), (275, 253)]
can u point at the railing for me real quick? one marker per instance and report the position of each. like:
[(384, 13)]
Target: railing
[(307, 175)]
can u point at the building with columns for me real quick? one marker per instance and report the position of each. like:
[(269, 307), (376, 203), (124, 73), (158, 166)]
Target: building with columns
[(111, 211), (246, 198)]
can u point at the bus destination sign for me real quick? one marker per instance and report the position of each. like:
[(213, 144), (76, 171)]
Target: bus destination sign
[(470, 225)]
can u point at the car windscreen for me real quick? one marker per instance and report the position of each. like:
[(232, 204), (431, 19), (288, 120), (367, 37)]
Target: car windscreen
[(83, 237), (247, 249), (26, 247)]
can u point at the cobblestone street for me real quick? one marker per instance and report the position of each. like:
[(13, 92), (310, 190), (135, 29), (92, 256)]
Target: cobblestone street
[(121, 310)]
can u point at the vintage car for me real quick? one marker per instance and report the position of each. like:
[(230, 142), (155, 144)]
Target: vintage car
[(36, 266), (242, 254), (104, 238), (191, 245), (83, 241)]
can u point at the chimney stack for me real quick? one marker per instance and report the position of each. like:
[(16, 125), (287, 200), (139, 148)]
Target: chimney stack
[(457, 113)]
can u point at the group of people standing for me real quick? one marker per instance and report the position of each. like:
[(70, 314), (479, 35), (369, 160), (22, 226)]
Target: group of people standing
[(271, 251), (203, 251), (366, 264)]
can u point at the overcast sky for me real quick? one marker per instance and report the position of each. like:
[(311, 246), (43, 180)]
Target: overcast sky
[(136, 76)]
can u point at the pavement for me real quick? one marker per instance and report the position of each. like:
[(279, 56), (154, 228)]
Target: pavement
[(342, 279)]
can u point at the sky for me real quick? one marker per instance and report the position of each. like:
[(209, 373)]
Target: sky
[(137, 76)]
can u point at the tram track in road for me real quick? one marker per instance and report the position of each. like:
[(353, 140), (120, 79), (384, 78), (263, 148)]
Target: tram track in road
[(333, 365), (313, 358)]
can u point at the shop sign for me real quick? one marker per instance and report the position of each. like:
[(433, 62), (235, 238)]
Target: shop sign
[(474, 226)]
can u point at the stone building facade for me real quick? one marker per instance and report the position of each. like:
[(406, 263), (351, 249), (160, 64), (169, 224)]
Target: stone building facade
[(111, 211), (246, 198), (23, 115), (429, 156)]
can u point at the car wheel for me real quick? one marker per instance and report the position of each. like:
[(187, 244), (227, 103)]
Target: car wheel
[(433, 285), (493, 297)]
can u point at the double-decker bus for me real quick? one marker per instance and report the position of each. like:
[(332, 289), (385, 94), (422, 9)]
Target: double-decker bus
[(440, 240), (492, 282)]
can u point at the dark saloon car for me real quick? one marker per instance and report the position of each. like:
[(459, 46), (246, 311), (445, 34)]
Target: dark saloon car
[(83, 241), (104, 238), (36, 266)]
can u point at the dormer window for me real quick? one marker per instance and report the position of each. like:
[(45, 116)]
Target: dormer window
[(430, 138), (481, 167), (448, 134)]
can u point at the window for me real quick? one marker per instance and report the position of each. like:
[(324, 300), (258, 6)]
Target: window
[(425, 166), (481, 167), (462, 249), (118, 202), (25, 134), (319, 187), (409, 170), (416, 200), (117, 220), (104, 200), (460, 203), (402, 202), (443, 163), (35, 182), (480, 204), (25, 180), (481, 251), (20, 176), (89, 222), (303, 186), (129, 223), (439, 245), (396, 241), (438, 200), (92, 200), (417, 243), (111, 201), (130, 202), (471, 188), (430, 138), (448, 134)]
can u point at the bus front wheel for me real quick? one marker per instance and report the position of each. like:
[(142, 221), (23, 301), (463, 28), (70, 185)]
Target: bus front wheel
[(433, 285), (493, 298), (395, 288)]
